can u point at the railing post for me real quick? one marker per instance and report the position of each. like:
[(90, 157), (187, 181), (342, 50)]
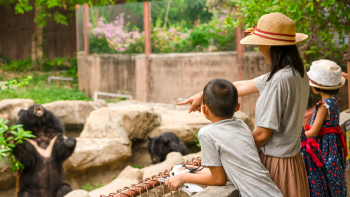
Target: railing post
[(148, 49), (347, 57)]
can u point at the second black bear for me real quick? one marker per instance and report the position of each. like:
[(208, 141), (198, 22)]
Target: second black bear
[(44, 155), (158, 147)]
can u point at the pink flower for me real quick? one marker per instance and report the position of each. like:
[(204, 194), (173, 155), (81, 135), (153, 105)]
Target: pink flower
[(89, 24), (222, 18), (211, 31), (166, 38), (224, 11), (155, 29), (179, 32), (171, 30), (184, 36)]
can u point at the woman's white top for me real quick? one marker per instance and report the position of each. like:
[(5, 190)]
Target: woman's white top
[(281, 107)]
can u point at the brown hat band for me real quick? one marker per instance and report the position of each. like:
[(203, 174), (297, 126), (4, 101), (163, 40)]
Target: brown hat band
[(255, 31), (319, 84)]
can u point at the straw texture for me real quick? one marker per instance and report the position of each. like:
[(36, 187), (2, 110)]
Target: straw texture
[(274, 29)]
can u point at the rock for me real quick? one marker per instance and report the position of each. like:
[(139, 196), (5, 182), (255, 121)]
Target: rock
[(92, 154), (243, 116), (191, 156), (9, 108), (72, 112), (78, 193), (186, 125), (229, 190), (122, 122), (7, 179), (127, 177), (171, 160)]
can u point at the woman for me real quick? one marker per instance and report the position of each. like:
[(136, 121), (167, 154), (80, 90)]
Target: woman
[(280, 109)]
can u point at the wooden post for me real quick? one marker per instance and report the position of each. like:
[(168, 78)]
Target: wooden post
[(86, 31), (148, 49), (347, 57), (240, 50), (76, 25)]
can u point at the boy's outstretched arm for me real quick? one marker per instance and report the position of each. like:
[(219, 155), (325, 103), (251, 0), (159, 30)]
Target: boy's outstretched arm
[(216, 176)]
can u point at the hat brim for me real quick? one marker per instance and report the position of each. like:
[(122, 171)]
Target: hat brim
[(329, 88), (256, 40)]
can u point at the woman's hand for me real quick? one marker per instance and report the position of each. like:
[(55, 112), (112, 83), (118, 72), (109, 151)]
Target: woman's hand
[(195, 101)]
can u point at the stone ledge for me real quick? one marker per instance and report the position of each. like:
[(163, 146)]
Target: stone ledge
[(229, 190)]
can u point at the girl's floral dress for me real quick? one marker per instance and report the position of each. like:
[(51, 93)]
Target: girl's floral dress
[(319, 183), (331, 145)]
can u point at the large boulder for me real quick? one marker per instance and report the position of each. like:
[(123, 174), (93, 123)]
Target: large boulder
[(7, 179), (127, 177), (90, 154), (72, 112), (9, 108), (123, 123), (78, 193), (171, 160)]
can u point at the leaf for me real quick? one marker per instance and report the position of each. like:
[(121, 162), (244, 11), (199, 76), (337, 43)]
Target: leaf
[(60, 18)]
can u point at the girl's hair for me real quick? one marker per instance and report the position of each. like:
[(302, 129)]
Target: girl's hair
[(331, 92), (282, 56)]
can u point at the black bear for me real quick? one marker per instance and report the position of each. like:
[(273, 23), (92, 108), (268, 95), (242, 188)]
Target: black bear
[(44, 155), (158, 147)]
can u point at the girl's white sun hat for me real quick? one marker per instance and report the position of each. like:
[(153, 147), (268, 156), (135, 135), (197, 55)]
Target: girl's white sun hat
[(325, 74)]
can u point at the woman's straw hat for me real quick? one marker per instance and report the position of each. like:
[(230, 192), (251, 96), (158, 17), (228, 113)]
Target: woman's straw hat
[(325, 74), (274, 29)]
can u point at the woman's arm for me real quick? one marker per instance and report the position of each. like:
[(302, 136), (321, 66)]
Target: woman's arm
[(216, 176), (261, 135), (243, 88), (246, 87), (320, 117)]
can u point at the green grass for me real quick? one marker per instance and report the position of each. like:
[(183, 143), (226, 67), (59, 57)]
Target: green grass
[(136, 166), (41, 92), (89, 187)]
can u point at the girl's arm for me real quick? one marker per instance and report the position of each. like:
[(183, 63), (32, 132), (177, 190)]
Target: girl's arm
[(243, 88), (320, 117), (216, 176), (261, 135)]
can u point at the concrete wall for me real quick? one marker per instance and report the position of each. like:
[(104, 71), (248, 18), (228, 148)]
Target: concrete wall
[(165, 77)]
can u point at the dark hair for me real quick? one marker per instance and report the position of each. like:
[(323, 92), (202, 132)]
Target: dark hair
[(221, 97), (282, 56), (331, 92)]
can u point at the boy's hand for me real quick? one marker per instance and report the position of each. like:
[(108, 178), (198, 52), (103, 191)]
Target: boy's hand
[(175, 182)]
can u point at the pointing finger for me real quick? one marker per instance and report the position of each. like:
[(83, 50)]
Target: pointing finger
[(184, 102)]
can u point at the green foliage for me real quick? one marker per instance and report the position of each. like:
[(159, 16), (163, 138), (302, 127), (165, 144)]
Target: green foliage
[(9, 138), (14, 83), (41, 92), (326, 22), (197, 142), (136, 166), (45, 64), (44, 7), (89, 187)]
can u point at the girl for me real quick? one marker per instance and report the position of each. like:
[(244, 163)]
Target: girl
[(319, 180), (326, 78)]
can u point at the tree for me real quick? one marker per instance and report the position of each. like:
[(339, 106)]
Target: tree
[(327, 22)]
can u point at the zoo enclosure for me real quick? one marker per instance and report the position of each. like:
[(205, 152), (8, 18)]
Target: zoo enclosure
[(160, 51)]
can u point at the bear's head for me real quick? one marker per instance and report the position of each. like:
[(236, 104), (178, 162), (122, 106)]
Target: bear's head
[(158, 147), (35, 114)]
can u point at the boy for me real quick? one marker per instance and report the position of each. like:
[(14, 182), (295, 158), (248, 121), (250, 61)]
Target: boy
[(228, 147)]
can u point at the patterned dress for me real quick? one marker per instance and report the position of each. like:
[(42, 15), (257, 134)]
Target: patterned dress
[(331, 147), (319, 180)]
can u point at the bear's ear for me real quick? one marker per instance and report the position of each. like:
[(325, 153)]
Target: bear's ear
[(166, 141), (22, 111), (149, 138)]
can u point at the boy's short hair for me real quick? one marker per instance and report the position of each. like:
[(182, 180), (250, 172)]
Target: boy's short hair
[(221, 97)]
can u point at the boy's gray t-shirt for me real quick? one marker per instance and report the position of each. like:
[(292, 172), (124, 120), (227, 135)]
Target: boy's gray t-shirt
[(281, 107), (230, 144)]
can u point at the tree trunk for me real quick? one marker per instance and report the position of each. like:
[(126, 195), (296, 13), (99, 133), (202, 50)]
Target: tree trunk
[(37, 40)]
